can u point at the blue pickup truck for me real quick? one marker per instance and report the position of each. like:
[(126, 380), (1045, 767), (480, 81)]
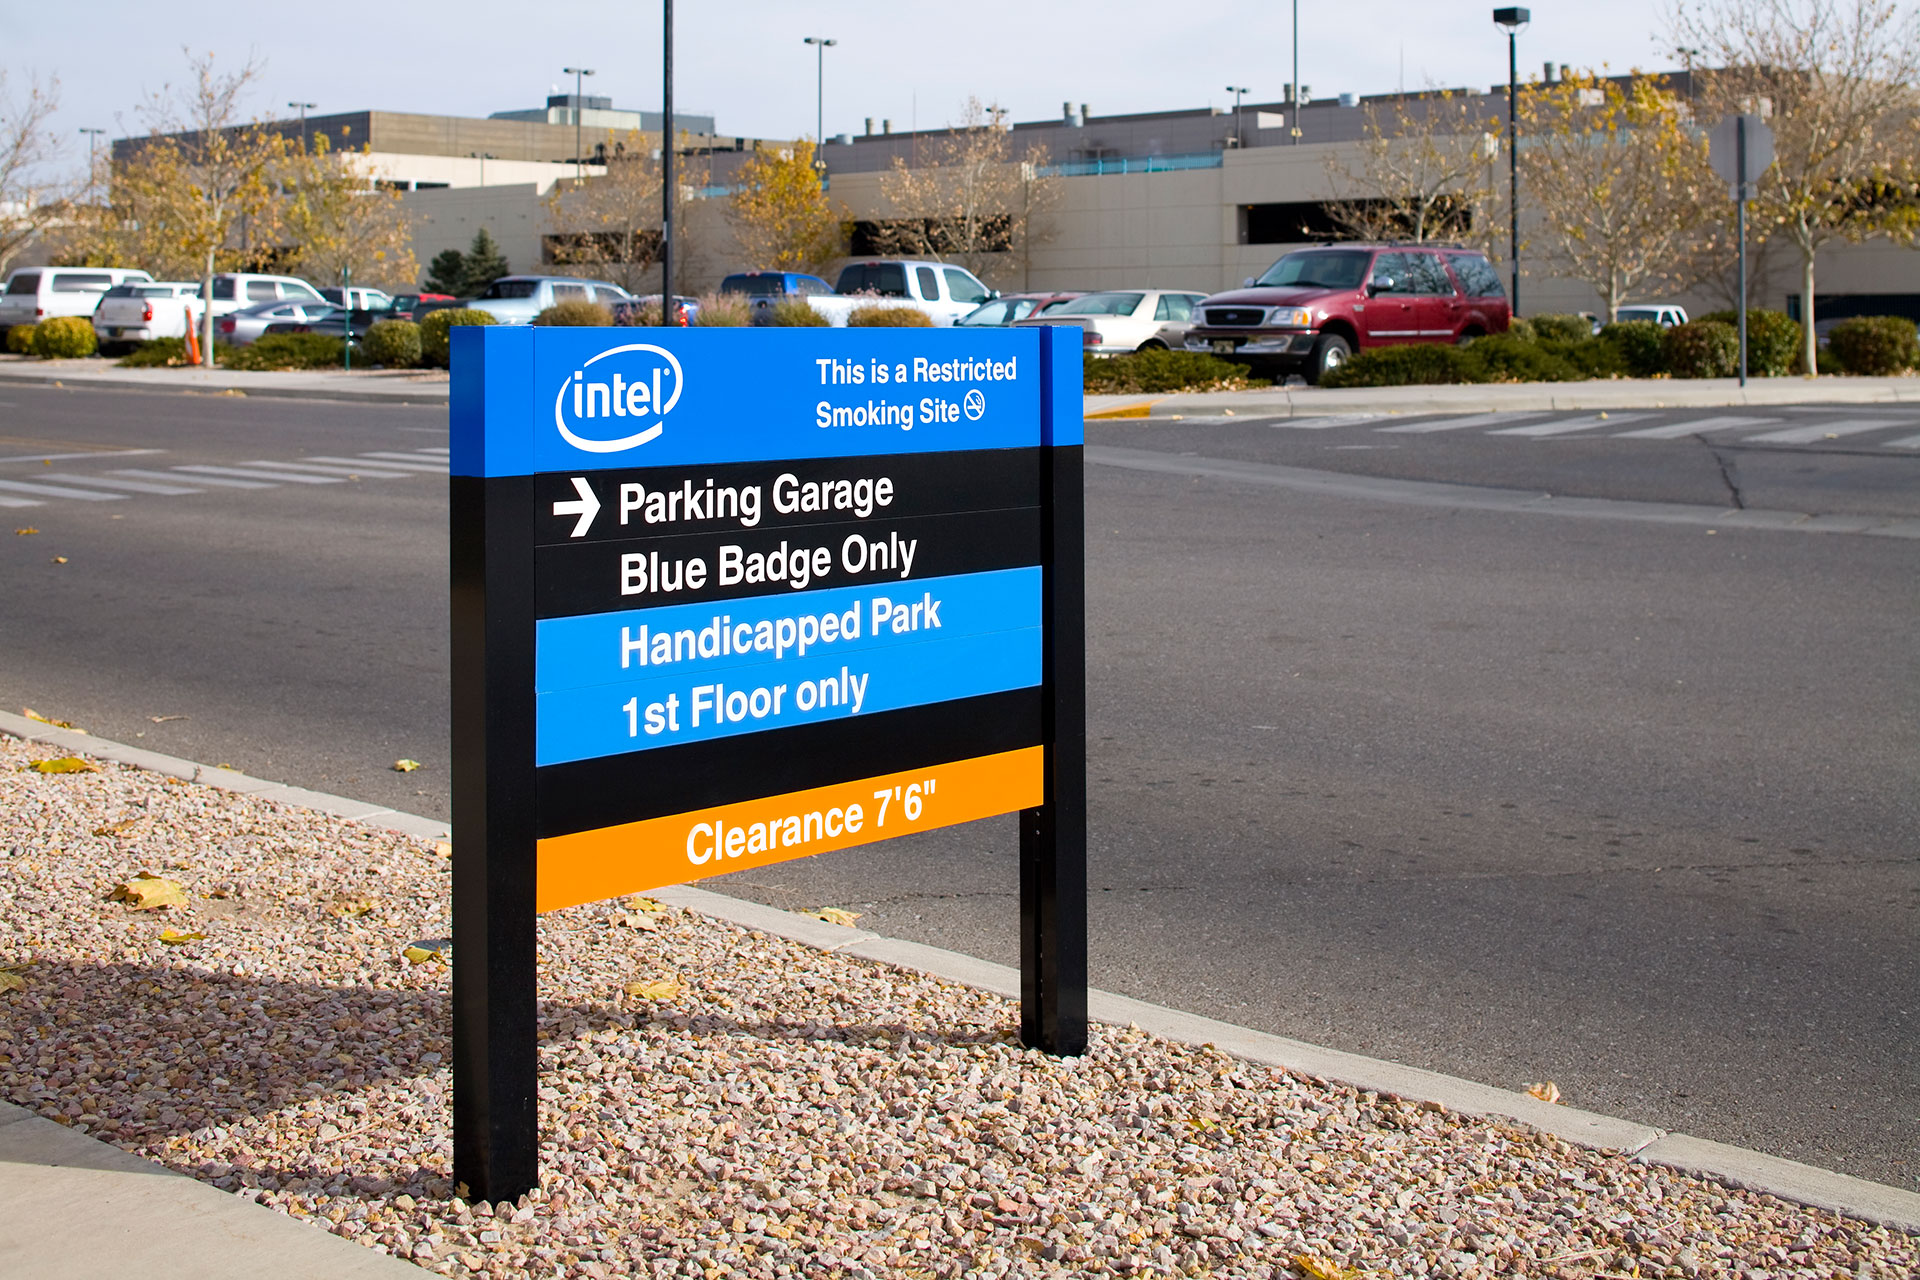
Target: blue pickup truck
[(763, 289)]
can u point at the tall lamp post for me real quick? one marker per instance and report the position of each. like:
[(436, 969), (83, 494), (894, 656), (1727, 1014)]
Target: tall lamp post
[(1238, 91), (821, 45), (303, 108), (1513, 20), (669, 312), (93, 160), (579, 165), (1294, 133)]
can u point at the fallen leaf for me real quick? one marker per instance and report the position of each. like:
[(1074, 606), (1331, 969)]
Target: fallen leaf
[(638, 920), (175, 938), (128, 827), (405, 766), (147, 892), (21, 533), (429, 949), (65, 764), (662, 989), (834, 915), (12, 982), (1546, 1091), (59, 559), (1318, 1268), (352, 904), (31, 714), (164, 719), (641, 902), (443, 847)]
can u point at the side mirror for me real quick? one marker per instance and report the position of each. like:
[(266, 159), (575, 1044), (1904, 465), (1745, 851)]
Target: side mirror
[(1247, 283), (993, 295), (1379, 285)]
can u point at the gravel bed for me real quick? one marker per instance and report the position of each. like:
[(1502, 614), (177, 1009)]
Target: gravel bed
[(784, 1112)]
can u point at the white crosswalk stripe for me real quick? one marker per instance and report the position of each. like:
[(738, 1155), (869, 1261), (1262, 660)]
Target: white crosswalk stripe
[(1323, 424), (220, 482), (371, 471), (1681, 430), (1905, 442), (58, 491), (132, 486), (1568, 426), (248, 473), (19, 502), (420, 465), (412, 460), (1819, 431), (442, 452), (1457, 423)]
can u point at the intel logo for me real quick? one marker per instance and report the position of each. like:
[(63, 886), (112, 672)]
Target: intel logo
[(626, 390)]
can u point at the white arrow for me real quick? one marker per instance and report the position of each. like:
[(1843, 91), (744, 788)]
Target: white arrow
[(586, 508)]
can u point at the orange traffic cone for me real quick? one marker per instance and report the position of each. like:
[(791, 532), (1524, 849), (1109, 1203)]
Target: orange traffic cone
[(193, 342)]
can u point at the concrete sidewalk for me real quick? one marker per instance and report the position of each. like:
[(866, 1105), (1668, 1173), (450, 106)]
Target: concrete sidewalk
[(431, 387), (64, 1168)]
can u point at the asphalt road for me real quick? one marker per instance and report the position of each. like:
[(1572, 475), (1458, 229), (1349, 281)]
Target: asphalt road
[(1620, 797)]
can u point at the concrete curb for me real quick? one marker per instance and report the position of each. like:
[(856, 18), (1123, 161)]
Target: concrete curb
[(78, 1208), (257, 386), (1734, 1166)]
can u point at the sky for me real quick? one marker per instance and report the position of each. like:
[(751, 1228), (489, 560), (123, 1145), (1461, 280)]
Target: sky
[(743, 61)]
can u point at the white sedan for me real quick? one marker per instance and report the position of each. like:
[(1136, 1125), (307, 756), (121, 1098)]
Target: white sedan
[(1126, 320), (244, 327)]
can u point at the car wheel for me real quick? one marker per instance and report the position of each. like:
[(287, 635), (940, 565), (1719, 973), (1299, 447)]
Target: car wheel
[(1152, 344), (1329, 354), (1466, 337)]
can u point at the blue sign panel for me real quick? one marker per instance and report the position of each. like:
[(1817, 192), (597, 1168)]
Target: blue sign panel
[(592, 399)]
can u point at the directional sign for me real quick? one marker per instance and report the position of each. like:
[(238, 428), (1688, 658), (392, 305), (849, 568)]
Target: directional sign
[(1724, 150), (726, 597)]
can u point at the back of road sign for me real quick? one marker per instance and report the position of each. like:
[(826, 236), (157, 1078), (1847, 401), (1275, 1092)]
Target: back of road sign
[(1723, 151), (725, 597)]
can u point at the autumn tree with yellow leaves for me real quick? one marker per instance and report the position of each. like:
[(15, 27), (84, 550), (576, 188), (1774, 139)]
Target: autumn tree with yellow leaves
[(780, 211), (1618, 184), (334, 217)]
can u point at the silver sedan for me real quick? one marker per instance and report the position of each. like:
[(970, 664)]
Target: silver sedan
[(244, 327)]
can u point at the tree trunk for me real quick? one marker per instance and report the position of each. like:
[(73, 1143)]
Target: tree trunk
[(206, 314), (1810, 348)]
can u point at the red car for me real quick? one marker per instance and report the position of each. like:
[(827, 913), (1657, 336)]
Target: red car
[(1314, 308)]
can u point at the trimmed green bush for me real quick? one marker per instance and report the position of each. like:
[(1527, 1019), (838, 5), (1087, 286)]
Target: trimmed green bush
[(20, 339), (1773, 341), (888, 318), (1588, 357), (1701, 349), (1868, 346), (576, 313), (1565, 328), (1162, 370), (1637, 342), (1414, 364), (393, 343), (160, 353), (1501, 357), (794, 313), (1521, 328), (286, 351), (65, 338), (434, 347), (725, 311)]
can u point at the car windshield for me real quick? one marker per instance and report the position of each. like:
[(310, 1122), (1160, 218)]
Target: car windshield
[(754, 286), (1101, 304), (1318, 269), (27, 283), (512, 289), (1637, 313)]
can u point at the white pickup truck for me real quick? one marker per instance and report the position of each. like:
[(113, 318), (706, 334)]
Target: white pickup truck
[(941, 290), (141, 310)]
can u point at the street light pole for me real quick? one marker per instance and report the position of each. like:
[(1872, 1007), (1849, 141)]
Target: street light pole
[(93, 159), (579, 165), (668, 311), (1513, 20), (1295, 131), (821, 44), (1239, 140), (302, 108)]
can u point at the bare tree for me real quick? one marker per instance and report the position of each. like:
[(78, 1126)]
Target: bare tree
[(608, 227), (1424, 171), (971, 197), (1835, 78), (1619, 182), (29, 202)]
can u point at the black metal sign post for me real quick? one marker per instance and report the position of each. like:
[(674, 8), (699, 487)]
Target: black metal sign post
[(625, 714)]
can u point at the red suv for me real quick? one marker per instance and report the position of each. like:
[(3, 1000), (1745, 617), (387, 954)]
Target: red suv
[(1315, 307)]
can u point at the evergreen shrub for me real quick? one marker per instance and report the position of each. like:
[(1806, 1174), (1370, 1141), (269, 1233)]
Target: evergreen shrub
[(287, 351), (888, 318), (1773, 341), (1162, 370), (434, 347), (1701, 349), (794, 313), (393, 343), (1414, 364), (65, 338), (1869, 346), (1565, 328), (576, 313), (1638, 344), (20, 339)]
